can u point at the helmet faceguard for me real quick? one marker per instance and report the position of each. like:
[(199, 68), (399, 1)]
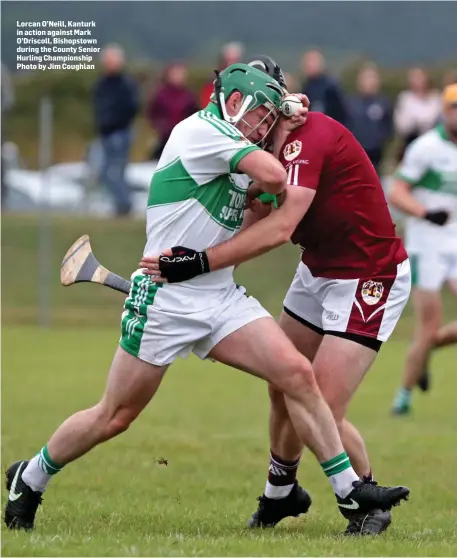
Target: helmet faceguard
[(269, 66), (256, 87)]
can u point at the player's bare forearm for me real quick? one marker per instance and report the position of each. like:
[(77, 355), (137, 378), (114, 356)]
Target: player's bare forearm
[(258, 211), (264, 235), (272, 190), (400, 197), (250, 217), (266, 171), (181, 264), (261, 237)]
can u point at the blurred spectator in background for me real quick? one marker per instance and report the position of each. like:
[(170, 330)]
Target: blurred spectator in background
[(172, 102), (418, 109), (230, 53), (450, 77), (322, 90), (291, 82), (116, 105), (371, 115), (7, 94)]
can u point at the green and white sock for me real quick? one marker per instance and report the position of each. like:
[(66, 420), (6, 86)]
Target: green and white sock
[(340, 474), (40, 471), (403, 398)]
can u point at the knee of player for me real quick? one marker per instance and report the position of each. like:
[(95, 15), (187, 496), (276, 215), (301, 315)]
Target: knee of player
[(428, 333), (299, 376), (119, 421)]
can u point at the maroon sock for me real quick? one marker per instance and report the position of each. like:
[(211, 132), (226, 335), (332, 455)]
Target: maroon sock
[(368, 478), (282, 472)]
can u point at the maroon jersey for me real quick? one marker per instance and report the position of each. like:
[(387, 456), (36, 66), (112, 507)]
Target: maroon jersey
[(348, 232)]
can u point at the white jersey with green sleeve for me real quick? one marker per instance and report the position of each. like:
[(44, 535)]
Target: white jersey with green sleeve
[(196, 197), (430, 166)]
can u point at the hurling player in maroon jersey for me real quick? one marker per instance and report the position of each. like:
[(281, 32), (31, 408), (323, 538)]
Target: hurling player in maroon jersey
[(345, 300)]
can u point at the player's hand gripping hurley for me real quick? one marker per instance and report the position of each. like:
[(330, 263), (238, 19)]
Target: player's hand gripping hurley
[(175, 265)]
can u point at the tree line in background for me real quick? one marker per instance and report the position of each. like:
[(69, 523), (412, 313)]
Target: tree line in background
[(73, 122)]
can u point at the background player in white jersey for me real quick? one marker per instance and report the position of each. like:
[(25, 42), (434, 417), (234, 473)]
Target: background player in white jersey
[(197, 197), (426, 190)]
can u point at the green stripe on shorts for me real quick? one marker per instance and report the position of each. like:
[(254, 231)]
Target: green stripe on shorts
[(134, 318), (414, 261)]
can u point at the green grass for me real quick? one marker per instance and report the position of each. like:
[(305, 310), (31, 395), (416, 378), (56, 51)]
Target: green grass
[(208, 421)]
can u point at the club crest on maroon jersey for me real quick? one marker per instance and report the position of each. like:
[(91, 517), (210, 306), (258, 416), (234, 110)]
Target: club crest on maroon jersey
[(292, 150), (372, 292)]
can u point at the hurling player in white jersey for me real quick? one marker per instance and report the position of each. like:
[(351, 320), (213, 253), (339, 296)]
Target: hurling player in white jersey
[(196, 199), (426, 190)]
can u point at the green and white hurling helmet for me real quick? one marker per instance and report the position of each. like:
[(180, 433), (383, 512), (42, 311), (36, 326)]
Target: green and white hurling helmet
[(257, 87)]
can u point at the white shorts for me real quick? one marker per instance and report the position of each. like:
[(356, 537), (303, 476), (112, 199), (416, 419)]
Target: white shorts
[(369, 307), (162, 322), (431, 269)]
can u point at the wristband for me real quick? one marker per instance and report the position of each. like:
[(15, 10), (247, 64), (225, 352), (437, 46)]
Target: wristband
[(269, 198), (183, 264), (437, 217)]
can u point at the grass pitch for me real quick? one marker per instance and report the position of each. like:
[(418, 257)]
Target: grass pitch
[(208, 422)]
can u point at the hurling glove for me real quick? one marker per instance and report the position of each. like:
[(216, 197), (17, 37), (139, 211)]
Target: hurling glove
[(439, 217), (183, 264)]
